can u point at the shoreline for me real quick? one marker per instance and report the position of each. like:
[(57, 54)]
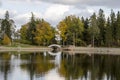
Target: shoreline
[(93, 50), (26, 49), (70, 50)]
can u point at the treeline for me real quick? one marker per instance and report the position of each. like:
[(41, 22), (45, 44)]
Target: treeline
[(97, 30), (7, 30), (37, 32), (93, 31)]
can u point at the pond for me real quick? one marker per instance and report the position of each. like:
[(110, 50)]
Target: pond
[(62, 66)]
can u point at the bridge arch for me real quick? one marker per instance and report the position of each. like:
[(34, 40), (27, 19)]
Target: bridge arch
[(54, 45), (54, 54)]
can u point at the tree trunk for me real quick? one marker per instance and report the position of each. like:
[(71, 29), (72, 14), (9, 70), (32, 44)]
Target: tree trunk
[(93, 41)]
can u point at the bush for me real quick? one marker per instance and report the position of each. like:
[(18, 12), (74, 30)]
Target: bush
[(25, 42), (6, 40)]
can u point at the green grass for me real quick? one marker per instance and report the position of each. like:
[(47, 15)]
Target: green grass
[(19, 45), (16, 44)]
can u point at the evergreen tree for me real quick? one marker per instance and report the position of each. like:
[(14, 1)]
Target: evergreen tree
[(93, 28), (118, 28), (108, 34), (113, 26), (86, 35), (101, 25), (31, 29), (7, 25)]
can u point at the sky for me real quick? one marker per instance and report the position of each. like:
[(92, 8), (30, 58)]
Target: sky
[(54, 11)]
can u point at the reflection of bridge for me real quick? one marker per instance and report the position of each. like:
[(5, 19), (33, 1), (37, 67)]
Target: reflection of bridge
[(54, 45)]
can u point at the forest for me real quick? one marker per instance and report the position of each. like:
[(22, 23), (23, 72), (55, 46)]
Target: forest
[(97, 30)]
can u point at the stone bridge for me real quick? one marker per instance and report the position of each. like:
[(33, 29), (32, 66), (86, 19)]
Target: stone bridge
[(55, 47)]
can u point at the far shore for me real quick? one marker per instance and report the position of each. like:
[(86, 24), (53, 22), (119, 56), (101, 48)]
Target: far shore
[(93, 50), (71, 50), (27, 49)]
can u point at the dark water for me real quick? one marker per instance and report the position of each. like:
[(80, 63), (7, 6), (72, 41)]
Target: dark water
[(62, 66)]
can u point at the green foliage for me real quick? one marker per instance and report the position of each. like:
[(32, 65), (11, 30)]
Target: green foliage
[(101, 24), (86, 35), (44, 33), (6, 40), (108, 34), (118, 28), (23, 32), (71, 28), (37, 32), (113, 25), (63, 30), (93, 28), (7, 25), (31, 29)]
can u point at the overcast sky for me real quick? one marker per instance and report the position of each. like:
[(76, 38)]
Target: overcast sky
[(54, 10)]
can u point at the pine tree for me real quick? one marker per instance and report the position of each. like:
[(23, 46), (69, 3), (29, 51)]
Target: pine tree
[(113, 26), (31, 29), (101, 25), (7, 25), (86, 36), (93, 28), (118, 28), (108, 34)]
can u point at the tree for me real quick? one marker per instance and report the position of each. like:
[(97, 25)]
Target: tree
[(118, 28), (63, 30), (72, 30), (93, 28), (101, 24), (7, 15), (113, 26), (6, 40), (31, 29), (108, 34), (44, 33), (7, 25), (23, 34), (86, 35)]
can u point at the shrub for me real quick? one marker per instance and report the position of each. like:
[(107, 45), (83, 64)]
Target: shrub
[(6, 40)]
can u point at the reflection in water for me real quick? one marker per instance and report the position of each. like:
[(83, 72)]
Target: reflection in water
[(60, 66)]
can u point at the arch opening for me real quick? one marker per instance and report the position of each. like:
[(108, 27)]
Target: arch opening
[(55, 47)]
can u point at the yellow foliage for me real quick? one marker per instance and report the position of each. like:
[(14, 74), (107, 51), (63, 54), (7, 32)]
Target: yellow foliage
[(63, 28), (6, 40), (43, 34)]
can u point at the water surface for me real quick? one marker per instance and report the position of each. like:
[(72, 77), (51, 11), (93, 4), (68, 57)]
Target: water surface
[(59, 66)]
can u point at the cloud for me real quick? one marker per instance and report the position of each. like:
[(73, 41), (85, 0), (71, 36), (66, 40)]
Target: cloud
[(12, 13), (55, 12), (21, 19), (79, 3), (105, 3)]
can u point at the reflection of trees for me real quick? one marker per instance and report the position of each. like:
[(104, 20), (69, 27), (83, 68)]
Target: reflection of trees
[(74, 66), (106, 64), (43, 64), (77, 66), (71, 66), (5, 64), (39, 64)]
